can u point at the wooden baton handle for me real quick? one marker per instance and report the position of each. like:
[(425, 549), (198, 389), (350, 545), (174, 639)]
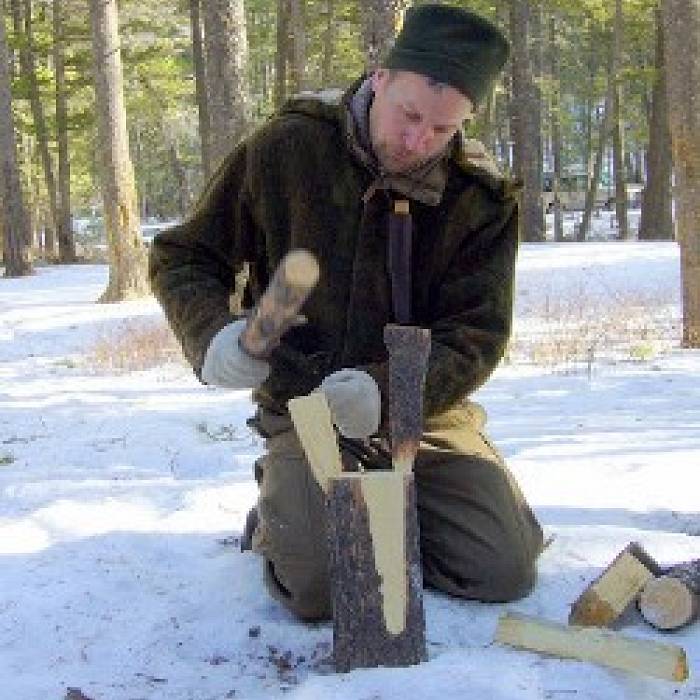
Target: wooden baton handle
[(279, 306)]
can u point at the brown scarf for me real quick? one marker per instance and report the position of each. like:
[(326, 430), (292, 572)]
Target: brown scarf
[(425, 183)]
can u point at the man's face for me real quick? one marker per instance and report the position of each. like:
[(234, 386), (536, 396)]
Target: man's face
[(412, 119)]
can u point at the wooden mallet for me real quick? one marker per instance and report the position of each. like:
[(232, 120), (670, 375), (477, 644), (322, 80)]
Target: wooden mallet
[(278, 308)]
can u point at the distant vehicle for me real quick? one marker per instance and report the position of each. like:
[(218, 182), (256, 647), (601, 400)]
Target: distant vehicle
[(91, 230), (150, 230), (572, 192)]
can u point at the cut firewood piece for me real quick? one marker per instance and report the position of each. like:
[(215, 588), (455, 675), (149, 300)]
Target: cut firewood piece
[(376, 578), (314, 426), (409, 348), (673, 600), (609, 595), (595, 645)]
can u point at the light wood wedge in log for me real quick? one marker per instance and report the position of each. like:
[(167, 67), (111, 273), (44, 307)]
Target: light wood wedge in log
[(312, 421)]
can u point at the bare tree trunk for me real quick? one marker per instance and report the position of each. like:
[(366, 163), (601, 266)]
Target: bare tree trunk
[(64, 228), (15, 223), (591, 108), (281, 53), (594, 172), (297, 12), (556, 127), (200, 76), (226, 42), (127, 269), (41, 132), (536, 50), (657, 219), (328, 40), (179, 173), (379, 24), (682, 26), (617, 126), (525, 126), (485, 122), (22, 18)]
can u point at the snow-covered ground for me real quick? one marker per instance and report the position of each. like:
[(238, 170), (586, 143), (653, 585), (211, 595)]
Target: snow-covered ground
[(121, 496)]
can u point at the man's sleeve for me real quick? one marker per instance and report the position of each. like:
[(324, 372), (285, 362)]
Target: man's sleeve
[(192, 266)]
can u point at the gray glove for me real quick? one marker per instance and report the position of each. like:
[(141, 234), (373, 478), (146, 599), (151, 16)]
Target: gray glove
[(226, 364), (354, 400)]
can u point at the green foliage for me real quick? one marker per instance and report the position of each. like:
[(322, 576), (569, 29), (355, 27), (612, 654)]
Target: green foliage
[(160, 91)]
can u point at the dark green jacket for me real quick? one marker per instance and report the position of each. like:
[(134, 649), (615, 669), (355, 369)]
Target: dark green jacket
[(295, 184)]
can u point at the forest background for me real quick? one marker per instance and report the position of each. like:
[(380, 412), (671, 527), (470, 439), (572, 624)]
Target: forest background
[(117, 113)]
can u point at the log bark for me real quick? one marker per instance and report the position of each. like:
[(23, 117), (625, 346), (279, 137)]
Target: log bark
[(609, 595), (673, 600), (409, 348), (376, 577)]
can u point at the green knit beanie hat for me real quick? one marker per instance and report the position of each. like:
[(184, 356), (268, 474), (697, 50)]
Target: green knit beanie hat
[(450, 45)]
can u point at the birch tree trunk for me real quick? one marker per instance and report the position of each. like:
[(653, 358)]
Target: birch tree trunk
[(657, 221), (64, 232), (682, 27), (200, 77), (127, 257), (525, 125), (226, 42)]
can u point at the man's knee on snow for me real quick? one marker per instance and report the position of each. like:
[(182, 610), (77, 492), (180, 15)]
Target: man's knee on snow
[(508, 578), (493, 577), (304, 591)]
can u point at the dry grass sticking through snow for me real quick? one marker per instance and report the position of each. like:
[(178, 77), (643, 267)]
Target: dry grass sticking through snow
[(135, 345), (552, 332), (568, 332)]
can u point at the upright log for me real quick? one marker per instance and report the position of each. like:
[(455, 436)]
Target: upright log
[(673, 600), (376, 576), (409, 349)]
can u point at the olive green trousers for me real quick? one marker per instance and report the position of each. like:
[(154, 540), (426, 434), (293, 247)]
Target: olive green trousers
[(478, 537)]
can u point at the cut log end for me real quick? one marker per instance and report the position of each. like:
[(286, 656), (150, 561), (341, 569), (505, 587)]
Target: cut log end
[(667, 603), (301, 270)]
